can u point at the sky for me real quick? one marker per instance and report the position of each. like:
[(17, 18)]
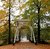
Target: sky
[(1, 4)]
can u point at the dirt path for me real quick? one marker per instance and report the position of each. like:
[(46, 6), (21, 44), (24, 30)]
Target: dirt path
[(25, 46)]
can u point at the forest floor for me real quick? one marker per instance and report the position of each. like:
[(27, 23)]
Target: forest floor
[(27, 45)]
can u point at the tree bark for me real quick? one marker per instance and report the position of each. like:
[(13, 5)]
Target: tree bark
[(9, 23), (38, 24)]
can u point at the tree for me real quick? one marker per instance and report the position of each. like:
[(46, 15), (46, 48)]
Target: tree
[(3, 16), (5, 13)]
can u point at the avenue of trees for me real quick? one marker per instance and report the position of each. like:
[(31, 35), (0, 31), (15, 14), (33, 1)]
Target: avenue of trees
[(37, 11)]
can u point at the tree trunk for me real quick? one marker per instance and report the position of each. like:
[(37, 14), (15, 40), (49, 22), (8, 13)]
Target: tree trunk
[(38, 24), (9, 23)]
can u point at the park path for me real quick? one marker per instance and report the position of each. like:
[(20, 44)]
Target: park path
[(26, 45)]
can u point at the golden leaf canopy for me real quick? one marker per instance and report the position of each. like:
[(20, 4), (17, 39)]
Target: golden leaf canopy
[(3, 14)]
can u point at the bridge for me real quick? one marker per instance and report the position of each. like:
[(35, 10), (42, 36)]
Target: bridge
[(23, 24)]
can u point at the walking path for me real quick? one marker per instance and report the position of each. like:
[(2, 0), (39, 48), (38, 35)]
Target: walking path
[(27, 45)]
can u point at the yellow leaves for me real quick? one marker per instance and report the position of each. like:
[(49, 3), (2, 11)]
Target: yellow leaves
[(30, 1), (23, 6), (2, 29), (43, 11), (44, 1), (6, 5), (45, 5), (2, 14), (48, 8)]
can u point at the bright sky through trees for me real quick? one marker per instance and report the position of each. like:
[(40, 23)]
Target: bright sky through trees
[(15, 9)]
